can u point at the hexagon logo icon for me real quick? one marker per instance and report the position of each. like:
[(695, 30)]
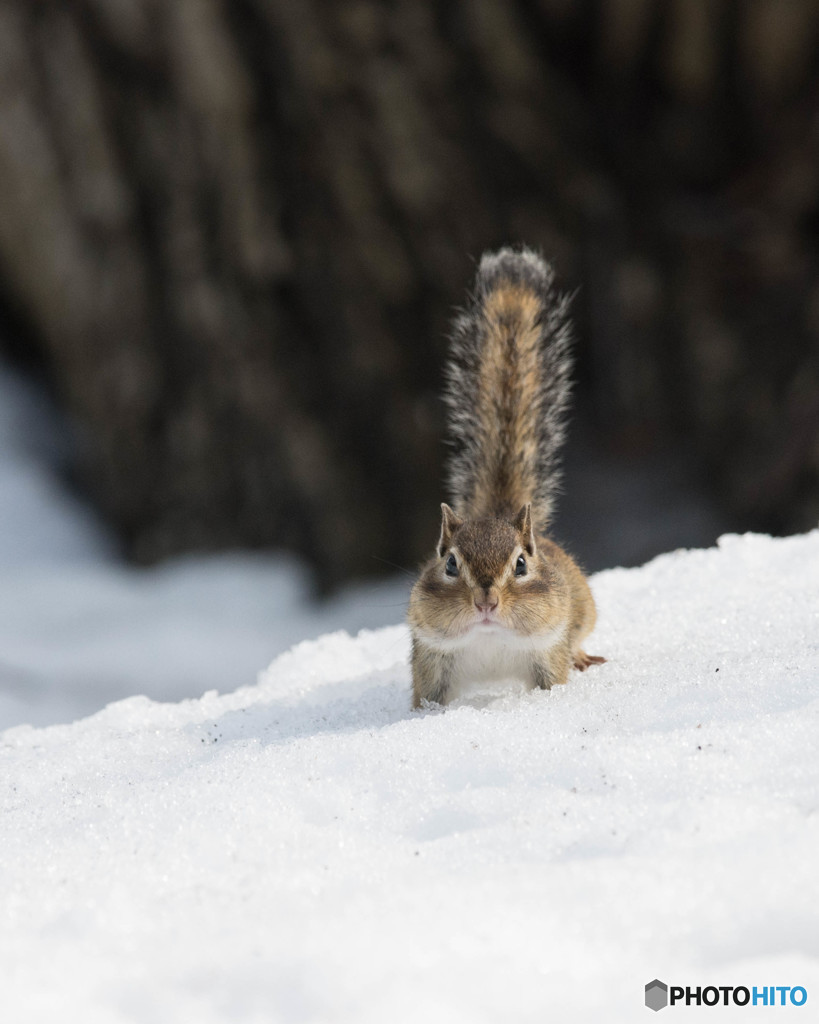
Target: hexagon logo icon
[(656, 995)]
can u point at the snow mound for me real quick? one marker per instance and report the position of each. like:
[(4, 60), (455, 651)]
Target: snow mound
[(308, 849)]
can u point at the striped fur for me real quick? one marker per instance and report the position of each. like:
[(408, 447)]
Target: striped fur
[(508, 389)]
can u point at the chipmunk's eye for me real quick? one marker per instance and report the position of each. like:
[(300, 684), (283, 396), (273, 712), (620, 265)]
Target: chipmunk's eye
[(451, 567), (520, 566)]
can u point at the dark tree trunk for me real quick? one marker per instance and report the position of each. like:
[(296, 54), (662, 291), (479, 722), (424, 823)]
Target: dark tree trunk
[(235, 230)]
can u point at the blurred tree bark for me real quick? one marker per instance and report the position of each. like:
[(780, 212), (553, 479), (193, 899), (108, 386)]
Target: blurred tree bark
[(234, 231)]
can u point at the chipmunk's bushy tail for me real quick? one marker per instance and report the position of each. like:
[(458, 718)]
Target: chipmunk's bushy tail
[(508, 388)]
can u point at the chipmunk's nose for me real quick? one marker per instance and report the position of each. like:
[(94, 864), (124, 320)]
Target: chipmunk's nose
[(488, 602)]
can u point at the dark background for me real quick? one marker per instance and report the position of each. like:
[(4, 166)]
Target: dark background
[(232, 235)]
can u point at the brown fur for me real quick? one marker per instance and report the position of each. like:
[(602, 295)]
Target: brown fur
[(553, 595), (531, 625), (508, 386)]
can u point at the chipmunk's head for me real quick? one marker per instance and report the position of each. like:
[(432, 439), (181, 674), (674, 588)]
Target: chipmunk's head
[(486, 577)]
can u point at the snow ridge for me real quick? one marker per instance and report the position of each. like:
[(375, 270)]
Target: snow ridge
[(309, 849)]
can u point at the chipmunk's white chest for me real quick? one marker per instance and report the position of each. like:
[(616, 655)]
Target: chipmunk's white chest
[(496, 655)]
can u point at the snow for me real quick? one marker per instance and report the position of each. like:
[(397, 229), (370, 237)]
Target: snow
[(309, 849), (79, 629), (305, 848)]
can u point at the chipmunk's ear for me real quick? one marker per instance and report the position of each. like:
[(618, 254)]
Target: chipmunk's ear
[(523, 523), (449, 524)]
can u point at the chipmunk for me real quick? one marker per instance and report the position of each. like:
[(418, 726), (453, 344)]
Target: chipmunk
[(499, 599)]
